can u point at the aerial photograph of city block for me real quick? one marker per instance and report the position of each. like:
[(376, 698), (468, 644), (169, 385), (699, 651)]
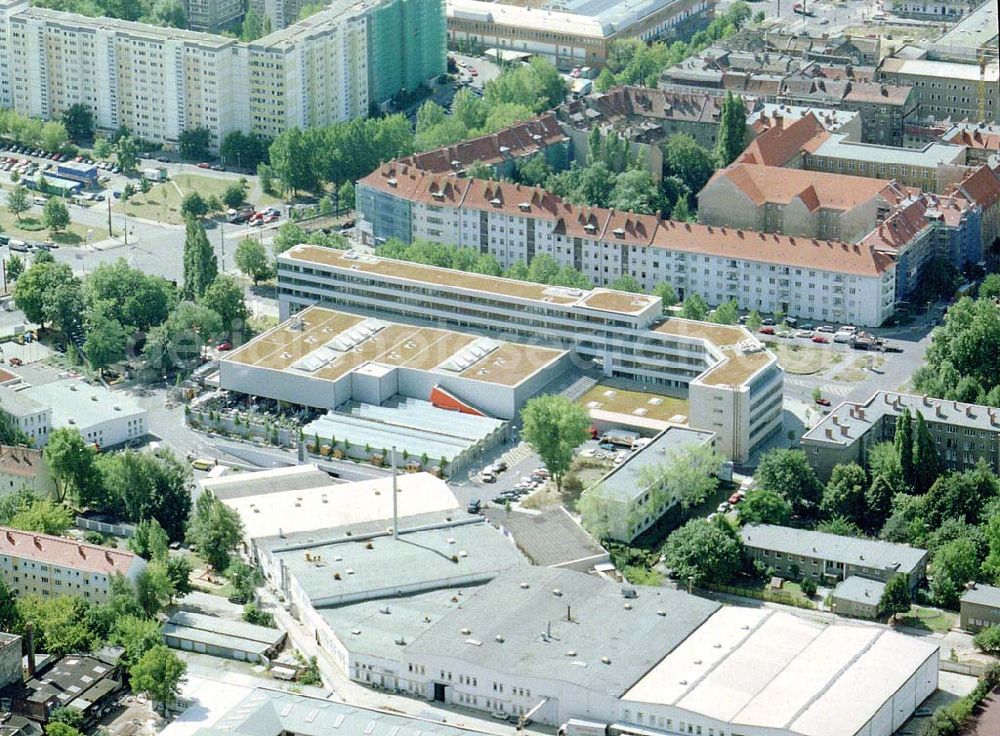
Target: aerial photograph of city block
[(499, 368)]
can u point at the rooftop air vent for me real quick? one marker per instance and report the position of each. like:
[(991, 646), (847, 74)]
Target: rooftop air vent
[(499, 638)]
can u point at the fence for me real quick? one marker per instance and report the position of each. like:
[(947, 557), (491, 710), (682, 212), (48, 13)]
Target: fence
[(771, 596)]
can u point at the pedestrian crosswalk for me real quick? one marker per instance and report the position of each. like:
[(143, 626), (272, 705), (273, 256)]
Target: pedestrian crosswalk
[(828, 388)]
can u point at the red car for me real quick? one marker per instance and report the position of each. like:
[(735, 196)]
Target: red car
[(204, 165), (225, 346), (767, 330), (473, 72), (820, 338), (735, 499), (823, 401)]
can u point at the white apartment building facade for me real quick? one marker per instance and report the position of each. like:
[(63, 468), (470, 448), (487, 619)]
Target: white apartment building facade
[(28, 415), (46, 565), (158, 82), (801, 276), (734, 384)]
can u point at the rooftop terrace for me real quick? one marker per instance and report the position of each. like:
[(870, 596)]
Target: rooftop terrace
[(328, 345)]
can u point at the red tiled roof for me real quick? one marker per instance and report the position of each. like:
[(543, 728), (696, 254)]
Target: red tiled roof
[(982, 139), (520, 139), (597, 223), (982, 186), (64, 552), (910, 219), (778, 145), (816, 189)]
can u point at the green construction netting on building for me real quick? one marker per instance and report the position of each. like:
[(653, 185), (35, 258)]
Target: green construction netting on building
[(407, 44)]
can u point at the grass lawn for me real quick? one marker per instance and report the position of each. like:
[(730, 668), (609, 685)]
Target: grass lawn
[(162, 203), (801, 359), (30, 227), (637, 403), (857, 370), (928, 619)]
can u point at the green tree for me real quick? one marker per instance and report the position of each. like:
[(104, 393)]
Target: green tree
[(15, 267), (841, 526), (764, 506), (345, 196), (666, 293), (883, 460), (754, 321), (991, 565), (627, 283), (694, 307), (136, 635), (153, 588), (193, 206), (65, 716), (18, 201), (952, 566), (727, 313), (990, 287), (64, 305), (602, 513), (635, 191), (252, 260), (106, 340), (926, 463), (136, 300), (235, 194), (225, 297), (808, 586), (554, 426), (43, 516), (904, 447), (788, 472), (158, 674), (102, 148), (71, 462), (961, 495), (58, 728), (605, 80), (533, 171), (732, 130), (60, 622), (252, 27), (895, 598), (9, 620), (878, 498), (543, 269), (194, 143), (179, 569), (78, 120), (53, 136), (149, 486), (244, 579), (149, 540), (127, 153), (292, 161), (688, 161), (254, 615), (688, 476), (216, 530), (704, 552), (845, 492), (200, 264)]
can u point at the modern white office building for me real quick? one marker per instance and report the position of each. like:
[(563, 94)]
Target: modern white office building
[(733, 383), (103, 417), (324, 359), (42, 564), (801, 276), (30, 416)]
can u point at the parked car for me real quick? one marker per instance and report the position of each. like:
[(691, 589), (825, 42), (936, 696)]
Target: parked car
[(723, 507), (500, 465), (204, 165), (804, 333), (225, 346), (823, 401), (767, 330), (475, 506), (825, 328), (487, 477), (821, 339), (16, 361)]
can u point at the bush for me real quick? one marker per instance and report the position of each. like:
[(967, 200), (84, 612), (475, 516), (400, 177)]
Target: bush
[(808, 587), (988, 640)]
